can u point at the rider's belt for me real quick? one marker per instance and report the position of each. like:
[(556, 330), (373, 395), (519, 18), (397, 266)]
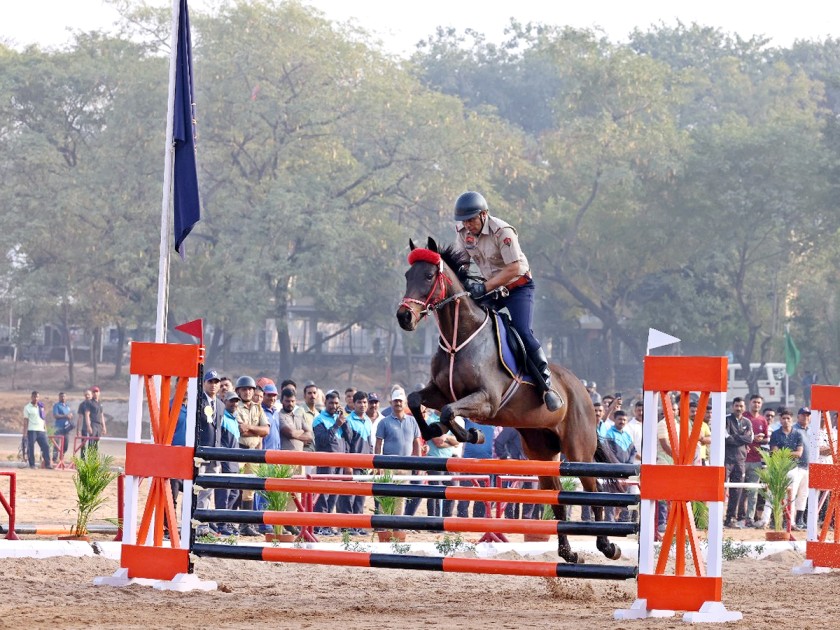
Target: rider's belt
[(519, 282)]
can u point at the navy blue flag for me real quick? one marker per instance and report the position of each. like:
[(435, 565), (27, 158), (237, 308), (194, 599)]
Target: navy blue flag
[(187, 208)]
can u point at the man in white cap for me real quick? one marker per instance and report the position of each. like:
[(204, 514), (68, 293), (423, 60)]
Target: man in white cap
[(398, 433)]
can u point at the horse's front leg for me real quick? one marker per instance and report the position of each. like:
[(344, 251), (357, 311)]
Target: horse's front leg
[(476, 405), (432, 397)]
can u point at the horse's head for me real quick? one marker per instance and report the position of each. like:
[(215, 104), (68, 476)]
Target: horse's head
[(428, 281)]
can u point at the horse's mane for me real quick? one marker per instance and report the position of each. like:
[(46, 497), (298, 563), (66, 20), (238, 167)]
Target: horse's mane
[(456, 259)]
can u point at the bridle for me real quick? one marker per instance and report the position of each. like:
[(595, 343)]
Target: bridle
[(433, 302), (436, 300)]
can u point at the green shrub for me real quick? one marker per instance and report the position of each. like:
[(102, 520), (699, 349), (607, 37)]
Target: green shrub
[(387, 505), (275, 501), (93, 475), (701, 514), (774, 476)]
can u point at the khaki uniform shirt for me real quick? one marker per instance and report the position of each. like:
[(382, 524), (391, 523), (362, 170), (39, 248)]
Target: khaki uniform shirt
[(307, 414), (251, 415), (496, 246)]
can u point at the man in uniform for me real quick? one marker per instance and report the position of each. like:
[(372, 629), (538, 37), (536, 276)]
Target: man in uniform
[(310, 399), (494, 246)]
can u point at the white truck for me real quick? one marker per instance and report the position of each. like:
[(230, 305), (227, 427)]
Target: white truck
[(771, 382)]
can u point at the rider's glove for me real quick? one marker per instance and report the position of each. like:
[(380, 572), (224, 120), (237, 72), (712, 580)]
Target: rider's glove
[(477, 290)]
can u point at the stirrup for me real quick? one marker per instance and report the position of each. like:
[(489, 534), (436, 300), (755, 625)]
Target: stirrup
[(552, 400)]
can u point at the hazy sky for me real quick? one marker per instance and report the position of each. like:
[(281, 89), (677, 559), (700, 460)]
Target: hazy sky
[(400, 24)]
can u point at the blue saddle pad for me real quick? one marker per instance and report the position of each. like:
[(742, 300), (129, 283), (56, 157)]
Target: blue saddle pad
[(506, 353)]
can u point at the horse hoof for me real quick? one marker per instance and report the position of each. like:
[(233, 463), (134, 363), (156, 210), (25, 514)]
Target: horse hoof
[(476, 437), (616, 552)]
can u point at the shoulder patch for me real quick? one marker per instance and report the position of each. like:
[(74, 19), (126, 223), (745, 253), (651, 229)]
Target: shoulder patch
[(507, 241)]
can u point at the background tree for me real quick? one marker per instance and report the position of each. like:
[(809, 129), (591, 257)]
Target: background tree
[(683, 180)]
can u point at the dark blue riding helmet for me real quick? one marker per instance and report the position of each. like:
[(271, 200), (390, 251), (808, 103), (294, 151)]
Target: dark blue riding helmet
[(468, 205)]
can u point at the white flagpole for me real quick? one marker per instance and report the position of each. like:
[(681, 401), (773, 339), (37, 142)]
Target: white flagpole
[(787, 376), (165, 213)]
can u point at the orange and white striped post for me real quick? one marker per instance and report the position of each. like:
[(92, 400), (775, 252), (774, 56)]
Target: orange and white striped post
[(822, 555), (145, 556), (697, 592)]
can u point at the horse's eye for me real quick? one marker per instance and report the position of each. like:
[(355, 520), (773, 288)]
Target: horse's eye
[(430, 275)]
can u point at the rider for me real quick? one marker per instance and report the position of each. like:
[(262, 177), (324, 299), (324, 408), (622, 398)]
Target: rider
[(494, 246)]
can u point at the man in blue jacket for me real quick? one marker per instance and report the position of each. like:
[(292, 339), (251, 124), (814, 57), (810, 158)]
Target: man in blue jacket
[(331, 436)]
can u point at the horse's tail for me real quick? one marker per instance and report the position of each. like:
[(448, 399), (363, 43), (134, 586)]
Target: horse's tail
[(605, 455)]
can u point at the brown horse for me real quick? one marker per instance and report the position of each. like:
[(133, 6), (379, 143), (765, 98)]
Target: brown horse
[(468, 380)]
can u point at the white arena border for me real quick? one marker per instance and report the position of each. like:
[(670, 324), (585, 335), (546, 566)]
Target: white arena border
[(10, 549)]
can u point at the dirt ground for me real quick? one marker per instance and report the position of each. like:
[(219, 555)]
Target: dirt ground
[(58, 592)]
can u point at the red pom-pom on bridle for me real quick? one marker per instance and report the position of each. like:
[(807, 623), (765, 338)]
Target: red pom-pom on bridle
[(439, 286), (423, 255)]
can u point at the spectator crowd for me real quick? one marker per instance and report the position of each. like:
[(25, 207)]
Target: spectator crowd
[(258, 414)]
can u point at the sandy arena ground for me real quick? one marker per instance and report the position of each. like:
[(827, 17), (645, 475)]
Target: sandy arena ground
[(58, 592)]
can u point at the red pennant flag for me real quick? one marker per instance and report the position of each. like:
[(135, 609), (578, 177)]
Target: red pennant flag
[(195, 328)]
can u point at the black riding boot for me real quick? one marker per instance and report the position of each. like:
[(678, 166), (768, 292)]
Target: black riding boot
[(552, 399)]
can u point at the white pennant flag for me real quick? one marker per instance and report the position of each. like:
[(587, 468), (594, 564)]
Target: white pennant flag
[(657, 339)]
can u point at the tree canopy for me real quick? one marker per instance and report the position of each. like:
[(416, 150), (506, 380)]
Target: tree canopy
[(684, 180)]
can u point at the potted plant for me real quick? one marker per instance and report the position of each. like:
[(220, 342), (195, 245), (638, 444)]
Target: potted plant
[(388, 507), (274, 500), (547, 515), (93, 475), (774, 476)]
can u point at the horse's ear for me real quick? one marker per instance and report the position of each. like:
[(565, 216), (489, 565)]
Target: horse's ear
[(432, 246), (411, 245)]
